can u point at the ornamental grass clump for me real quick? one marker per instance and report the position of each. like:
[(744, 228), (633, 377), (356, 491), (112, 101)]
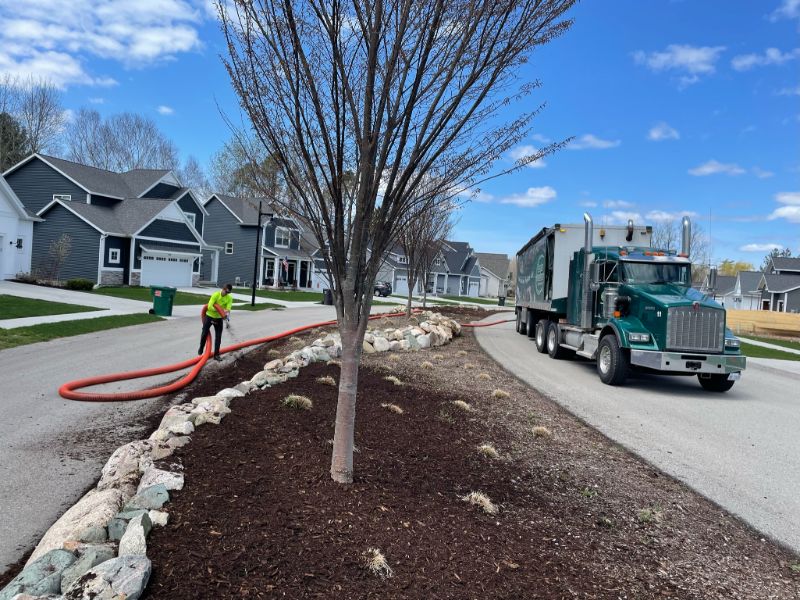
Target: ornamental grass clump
[(392, 407), (377, 564), (542, 432), (426, 365), (484, 376), (393, 379), (463, 405), (297, 402), (469, 366), (394, 357), (488, 451), (461, 353), (327, 380), (500, 395), (482, 501)]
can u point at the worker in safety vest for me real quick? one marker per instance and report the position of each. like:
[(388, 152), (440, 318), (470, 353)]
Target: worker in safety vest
[(217, 309)]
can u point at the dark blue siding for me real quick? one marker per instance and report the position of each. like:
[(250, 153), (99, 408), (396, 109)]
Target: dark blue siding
[(121, 244), (269, 237), (162, 190), (168, 230), (187, 204), (222, 227), (35, 183), (85, 247)]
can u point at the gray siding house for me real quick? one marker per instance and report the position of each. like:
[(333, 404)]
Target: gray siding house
[(780, 285), (140, 227), (287, 255)]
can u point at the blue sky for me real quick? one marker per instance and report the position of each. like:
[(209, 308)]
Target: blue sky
[(677, 107)]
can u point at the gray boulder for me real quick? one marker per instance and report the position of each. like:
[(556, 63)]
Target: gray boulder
[(40, 577), (134, 540), (424, 341), (151, 498), (122, 469), (119, 523), (119, 578), (91, 557), (381, 344), (229, 393), (154, 476)]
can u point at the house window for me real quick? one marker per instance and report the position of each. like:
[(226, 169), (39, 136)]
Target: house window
[(113, 255), (67, 197), (228, 247), (19, 243), (283, 237), (190, 216), (403, 260), (437, 262)]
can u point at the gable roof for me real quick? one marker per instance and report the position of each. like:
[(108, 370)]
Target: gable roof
[(725, 284), (496, 264), (139, 181), (777, 283), (749, 280), (244, 209), (786, 263), (125, 218)]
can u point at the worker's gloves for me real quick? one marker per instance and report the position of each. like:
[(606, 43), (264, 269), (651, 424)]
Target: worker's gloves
[(228, 321)]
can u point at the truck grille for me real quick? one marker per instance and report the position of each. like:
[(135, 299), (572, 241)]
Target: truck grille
[(695, 329)]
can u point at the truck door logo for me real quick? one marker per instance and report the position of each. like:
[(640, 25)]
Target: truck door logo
[(539, 278)]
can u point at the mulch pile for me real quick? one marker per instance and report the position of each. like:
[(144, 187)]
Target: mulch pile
[(578, 516)]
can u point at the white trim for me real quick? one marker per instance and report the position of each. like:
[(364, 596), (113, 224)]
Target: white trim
[(166, 240), (168, 252), (101, 254), (176, 184), (226, 248), (89, 223), (192, 218), (173, 203), (115, 269), (287, 229), (111, 259)]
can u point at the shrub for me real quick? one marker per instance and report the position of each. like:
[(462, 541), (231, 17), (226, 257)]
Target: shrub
[(327, 380), (27, 277), (484, 376), (393, 408), (469, 366), (393, 379), (481, 500), (540, 431), (500, 394), (297, 402), (82, 285), (394, 357), (462, 405), (461, 353), (427, 365), (376, 563), (649, 515), (488, 450)]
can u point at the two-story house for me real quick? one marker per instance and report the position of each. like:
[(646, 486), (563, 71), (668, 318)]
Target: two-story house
[(16, 233), (286, 254), (780, 285), (140, 227)]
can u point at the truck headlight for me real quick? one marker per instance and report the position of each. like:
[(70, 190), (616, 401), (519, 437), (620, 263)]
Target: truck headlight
[(731, 342), (639, 337)]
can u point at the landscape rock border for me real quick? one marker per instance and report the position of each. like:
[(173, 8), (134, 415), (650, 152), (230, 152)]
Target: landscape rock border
[(98, 548)]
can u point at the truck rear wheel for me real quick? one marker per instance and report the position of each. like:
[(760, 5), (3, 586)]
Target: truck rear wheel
[(541, 335), (612, 363), (522, 328), (715, 383), (553, 343)]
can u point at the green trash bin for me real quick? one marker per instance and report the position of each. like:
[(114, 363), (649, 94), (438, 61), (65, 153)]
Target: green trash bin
[(163, 297)]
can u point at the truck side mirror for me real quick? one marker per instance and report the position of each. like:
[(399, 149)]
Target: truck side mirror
[(712, 279), (594, 274)]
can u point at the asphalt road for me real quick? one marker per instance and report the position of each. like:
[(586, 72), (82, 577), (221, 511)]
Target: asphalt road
[(52, 450), (740, 449)]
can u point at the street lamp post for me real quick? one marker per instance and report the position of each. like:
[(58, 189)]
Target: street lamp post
[(258, 254)]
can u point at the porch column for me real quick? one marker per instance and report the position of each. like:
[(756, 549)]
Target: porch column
[(276, 271)]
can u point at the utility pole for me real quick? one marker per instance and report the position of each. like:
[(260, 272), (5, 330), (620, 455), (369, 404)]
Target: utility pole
[(258, 254)]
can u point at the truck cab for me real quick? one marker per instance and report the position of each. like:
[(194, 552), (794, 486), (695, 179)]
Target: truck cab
[(626, 306)]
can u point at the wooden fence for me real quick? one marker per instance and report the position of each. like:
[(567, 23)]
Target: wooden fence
[(758, 322)]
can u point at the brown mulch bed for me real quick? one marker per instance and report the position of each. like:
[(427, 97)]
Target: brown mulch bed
[(579, 517)]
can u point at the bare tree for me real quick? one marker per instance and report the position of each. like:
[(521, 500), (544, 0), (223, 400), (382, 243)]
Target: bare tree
[(119, 143), (421, 239), (242, 168), (365, 103), (667, 235), (774, 253), (57, 255), (192, 175), (42, 115)]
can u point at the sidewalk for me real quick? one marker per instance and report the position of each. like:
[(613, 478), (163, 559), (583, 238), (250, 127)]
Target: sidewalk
[(770, 346)]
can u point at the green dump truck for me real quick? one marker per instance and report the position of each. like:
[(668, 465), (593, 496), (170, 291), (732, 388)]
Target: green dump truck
[(605, 294)]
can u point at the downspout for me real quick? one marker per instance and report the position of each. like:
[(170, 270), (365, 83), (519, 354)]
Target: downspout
[(586, 304)]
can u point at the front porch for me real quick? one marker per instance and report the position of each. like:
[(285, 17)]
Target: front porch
[(286, 272)]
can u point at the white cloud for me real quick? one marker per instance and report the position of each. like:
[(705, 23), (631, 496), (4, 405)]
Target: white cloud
[(788, 198), (592, 142), (662, 131), (691, 62), (662, 216), (795, 91), (622, 216), (54, 39), (762, 173), (771, 56), (588, 204), (542, 139), (165, 110), (759, 247), (617, 204), (789, 9), (713, 167), (531, 197), (97, 100), (521, 152)]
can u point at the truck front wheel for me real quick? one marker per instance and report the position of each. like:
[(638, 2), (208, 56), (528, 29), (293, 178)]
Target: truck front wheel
[(541, 335), (715, 383), (612, 362)]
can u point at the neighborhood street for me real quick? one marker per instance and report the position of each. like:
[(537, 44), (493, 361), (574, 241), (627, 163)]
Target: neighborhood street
[(739, 448), (52, 450)]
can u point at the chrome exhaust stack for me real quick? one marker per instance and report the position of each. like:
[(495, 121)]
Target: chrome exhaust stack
[(686, 236), (586, 302)]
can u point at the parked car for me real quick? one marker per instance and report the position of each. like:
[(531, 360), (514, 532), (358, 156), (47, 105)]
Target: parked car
[(383, 288)]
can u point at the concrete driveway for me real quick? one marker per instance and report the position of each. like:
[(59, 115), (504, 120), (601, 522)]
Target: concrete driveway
[(52, 450), (740, 449)]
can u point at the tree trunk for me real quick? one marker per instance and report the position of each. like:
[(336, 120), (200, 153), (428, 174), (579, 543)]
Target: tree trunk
[(343, 438), (408, 303)]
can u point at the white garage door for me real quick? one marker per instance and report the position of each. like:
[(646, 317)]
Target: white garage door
[(174, 271), (473, 289), (400, 285)]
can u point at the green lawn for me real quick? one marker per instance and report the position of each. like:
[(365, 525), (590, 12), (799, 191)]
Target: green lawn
[(488, 301), (777, 342), (258, 306), (143, 294), (15, 307), (761, 352), (49, 331), (288, 296)]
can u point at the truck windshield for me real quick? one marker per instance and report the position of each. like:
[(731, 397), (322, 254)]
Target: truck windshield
[(656, 272)]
